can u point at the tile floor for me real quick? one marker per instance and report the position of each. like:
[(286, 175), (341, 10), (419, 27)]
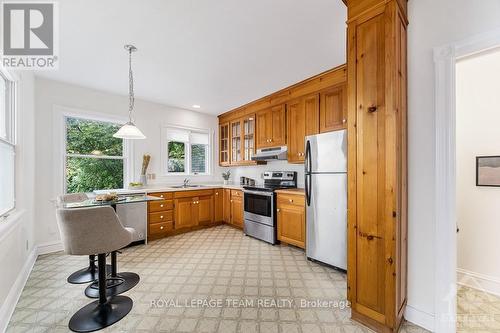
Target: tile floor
[(219, 264), (477, 311)]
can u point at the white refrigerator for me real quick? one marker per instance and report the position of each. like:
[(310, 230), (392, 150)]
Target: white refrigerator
[(326, 198)]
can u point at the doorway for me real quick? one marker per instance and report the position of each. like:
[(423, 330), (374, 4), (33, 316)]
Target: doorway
[(478, 190), (446, 59)]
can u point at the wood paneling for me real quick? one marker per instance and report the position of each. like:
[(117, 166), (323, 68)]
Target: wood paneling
[(219, 205), (333, 109), (377, 216)]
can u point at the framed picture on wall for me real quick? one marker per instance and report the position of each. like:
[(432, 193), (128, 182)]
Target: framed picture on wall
[(488, 171)]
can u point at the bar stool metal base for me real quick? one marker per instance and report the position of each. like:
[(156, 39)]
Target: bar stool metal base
[(130, 280), (95, 316), (86, 275)]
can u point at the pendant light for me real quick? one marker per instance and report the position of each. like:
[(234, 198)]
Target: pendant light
[(129, 130)]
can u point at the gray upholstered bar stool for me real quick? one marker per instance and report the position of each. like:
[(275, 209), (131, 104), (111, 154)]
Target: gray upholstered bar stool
[(86, 231), (88, 274)]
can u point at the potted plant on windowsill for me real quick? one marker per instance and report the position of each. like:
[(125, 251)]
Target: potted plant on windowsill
[(225, 176)]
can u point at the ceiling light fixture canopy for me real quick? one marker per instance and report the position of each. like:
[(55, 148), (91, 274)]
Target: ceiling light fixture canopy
[(129, 130)]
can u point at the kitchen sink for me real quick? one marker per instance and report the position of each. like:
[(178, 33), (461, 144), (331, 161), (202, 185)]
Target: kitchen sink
[(188, 186)]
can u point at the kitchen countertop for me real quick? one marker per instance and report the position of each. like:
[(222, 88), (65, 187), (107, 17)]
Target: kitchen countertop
[(299, 191), (155, 188)]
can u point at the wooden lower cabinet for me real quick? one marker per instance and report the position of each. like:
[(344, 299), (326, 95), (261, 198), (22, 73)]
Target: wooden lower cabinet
[(218, 205), (226, 206), (185, 213), (237, 210), (291, 219), (204, 210), (160, 215)]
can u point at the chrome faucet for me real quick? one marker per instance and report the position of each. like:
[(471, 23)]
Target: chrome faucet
[(186, 182)]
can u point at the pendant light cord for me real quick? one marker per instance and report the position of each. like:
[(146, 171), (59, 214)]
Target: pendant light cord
[(130, 86)]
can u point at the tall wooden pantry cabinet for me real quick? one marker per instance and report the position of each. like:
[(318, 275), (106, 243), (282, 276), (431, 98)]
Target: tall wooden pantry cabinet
[(377, 171)]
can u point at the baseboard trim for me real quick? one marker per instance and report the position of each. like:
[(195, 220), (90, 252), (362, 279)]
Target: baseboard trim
[(478, 281), (420, 318), (49, 247), (10, 303)]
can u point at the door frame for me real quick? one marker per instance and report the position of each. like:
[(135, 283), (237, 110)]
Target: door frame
[(445, 240)]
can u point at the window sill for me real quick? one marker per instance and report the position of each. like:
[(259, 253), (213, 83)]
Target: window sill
[(9, 223)]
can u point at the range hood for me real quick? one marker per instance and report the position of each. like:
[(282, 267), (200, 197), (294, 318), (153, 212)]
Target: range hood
[(270, 154)]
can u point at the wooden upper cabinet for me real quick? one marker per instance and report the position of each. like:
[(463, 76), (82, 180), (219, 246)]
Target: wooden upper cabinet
[(279, 125), (264, 128), (302, 120), (236, 133), (224, 149), (271, 127), (248, 133), (333, 109)]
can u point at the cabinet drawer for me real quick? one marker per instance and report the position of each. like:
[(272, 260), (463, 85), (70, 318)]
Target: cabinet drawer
[(161, 217), (193, 193), (290, 199), (164, 195), (158, 206), (237, 193), (160, 228)]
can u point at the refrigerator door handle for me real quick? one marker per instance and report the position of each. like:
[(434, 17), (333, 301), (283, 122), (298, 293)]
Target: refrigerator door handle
[(308, 184), (308, 161)]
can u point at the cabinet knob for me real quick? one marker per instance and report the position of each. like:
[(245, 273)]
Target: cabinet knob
[(231, 200), (161, 227), (278, 210), (290, 200), (161, 196), (216, 193), (372, 109), (344, 120), (161, 217), (161, 205)]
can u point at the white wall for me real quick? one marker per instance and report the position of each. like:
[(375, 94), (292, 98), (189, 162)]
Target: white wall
[(149, 117), (432, 23), (255, 172), (17, 244), (478, 123)]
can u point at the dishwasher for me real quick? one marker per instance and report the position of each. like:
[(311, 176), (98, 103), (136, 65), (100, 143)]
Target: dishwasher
[(135, 215)]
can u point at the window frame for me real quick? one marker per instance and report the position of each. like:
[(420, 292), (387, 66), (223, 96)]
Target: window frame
[(11, 130), (127, 149), (187, 151)]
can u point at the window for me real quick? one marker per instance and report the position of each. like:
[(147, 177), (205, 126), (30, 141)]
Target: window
[(7, 144), (94, 159), (187, 151)]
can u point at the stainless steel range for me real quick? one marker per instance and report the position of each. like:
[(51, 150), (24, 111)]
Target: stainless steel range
[(260, 204)]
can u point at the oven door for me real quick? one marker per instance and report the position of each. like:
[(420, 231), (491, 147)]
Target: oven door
[(259, 206)]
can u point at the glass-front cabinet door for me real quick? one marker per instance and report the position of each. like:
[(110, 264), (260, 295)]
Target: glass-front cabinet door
[(249, 137), (236, 155), (224, 144)]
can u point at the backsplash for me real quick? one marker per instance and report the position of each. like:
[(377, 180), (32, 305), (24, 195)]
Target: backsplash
[(256, 171)]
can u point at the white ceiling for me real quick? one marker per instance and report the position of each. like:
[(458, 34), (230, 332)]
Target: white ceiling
[(218, 54)]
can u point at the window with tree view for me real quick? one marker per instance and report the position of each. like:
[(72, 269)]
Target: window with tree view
[(94, 158), (187, 151)]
